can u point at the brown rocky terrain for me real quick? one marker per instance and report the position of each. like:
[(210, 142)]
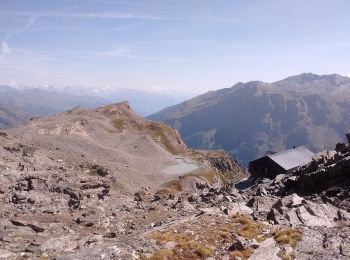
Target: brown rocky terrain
[(76, 173), (107, 184)]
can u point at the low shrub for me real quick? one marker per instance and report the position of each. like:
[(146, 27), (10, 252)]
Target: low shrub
[(288, 236)]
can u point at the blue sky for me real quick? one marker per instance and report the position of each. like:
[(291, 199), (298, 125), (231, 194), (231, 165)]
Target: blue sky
[(180, 45)]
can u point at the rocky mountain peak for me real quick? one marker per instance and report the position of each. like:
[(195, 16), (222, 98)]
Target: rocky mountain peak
[(303, 77), (121, 108), (307, 80)]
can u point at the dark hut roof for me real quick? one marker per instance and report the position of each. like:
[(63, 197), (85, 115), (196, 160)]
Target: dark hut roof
[(292, 158)]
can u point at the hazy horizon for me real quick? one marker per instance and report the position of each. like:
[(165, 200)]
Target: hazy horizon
[(170, 46)]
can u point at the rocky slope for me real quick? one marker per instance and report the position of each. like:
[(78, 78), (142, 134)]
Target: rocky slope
[(252, 118), (64, 214), (90, 184), (289, 217), (70, 179), (136, 150)]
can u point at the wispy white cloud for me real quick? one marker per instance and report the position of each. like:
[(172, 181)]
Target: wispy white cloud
[(109, 15), (130, 3), (193, 17), (124, 28), (5, 48), (24, 29), (117, 52), (48, 28), (96, 15)]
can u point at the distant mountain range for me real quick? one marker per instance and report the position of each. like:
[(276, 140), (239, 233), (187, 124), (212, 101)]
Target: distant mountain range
[(10, 117), (18, 105), (42, 102), (250, 119), (144, 103)]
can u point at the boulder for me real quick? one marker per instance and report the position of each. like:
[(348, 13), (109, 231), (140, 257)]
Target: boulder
[(296, 200), (316, 215), (276, 217), (234, 208), (289, 201), (267, 250), (261, 204)]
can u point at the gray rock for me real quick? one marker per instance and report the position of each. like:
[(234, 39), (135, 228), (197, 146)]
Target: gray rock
[(293, 218), (242, 243), (59, 244), (261, 192), (234, 208), (277, 217), (317, 215), (35, 249), (18, 198), (296, 200), (261, 204), (239, 244), (279, 179), (267, 250), (345, 248), (5, 254)]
